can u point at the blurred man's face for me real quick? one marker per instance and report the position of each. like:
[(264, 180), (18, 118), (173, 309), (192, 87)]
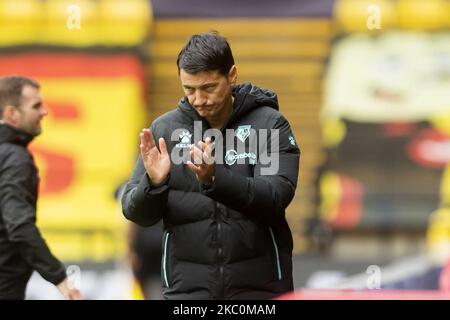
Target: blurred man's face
[(31, 111), (209, 92)]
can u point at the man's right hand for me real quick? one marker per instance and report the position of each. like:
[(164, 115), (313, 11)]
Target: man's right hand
[(156, 163), (68, 292)]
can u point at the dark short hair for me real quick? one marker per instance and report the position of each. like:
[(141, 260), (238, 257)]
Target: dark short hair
[(206, 52), (11, 90)]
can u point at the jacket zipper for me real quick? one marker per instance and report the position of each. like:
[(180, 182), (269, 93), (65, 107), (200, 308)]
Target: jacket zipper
[(164, 264), (277, 256)]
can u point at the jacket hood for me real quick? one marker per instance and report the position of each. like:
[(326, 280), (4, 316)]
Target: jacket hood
[(14, 135), (246, 98)]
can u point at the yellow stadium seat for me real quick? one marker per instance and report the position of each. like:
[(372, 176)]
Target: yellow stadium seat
[(438, 235), (361, 15), (19, 21), (75, 23), (71, 23), (136, 291), (448, 15), (423, 14), (124, 22)]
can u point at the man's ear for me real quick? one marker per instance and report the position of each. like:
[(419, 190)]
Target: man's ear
[(10, 115), (232, 75)]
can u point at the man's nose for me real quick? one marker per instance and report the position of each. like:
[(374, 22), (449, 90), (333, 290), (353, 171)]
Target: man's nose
[(200, 98), (44, 111)]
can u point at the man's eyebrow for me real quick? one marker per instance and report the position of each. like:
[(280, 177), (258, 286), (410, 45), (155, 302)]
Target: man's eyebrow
[(205, 86)]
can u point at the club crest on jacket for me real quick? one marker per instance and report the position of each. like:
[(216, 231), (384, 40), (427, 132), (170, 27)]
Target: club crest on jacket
[(243, 132)]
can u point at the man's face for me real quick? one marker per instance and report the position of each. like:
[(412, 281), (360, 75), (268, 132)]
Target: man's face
[(208, 92), (31, 111)]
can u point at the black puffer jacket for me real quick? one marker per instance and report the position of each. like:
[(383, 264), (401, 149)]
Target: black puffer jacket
[(22, 248), (231, 241)]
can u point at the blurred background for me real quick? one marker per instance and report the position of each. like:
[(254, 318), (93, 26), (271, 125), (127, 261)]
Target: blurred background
[(364, 84)]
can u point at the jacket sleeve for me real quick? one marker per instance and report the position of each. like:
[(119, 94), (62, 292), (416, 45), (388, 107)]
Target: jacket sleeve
[(272, 187), (19, 217), (142, 202)]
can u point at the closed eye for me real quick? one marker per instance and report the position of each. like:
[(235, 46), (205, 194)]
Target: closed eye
[(37, 105), (209, 87)]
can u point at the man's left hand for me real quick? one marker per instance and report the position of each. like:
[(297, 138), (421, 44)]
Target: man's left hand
[(203, 165)]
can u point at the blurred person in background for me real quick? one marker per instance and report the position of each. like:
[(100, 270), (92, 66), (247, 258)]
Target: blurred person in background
[(144, 245), (145, 252), (22, 248), (225, 231)]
